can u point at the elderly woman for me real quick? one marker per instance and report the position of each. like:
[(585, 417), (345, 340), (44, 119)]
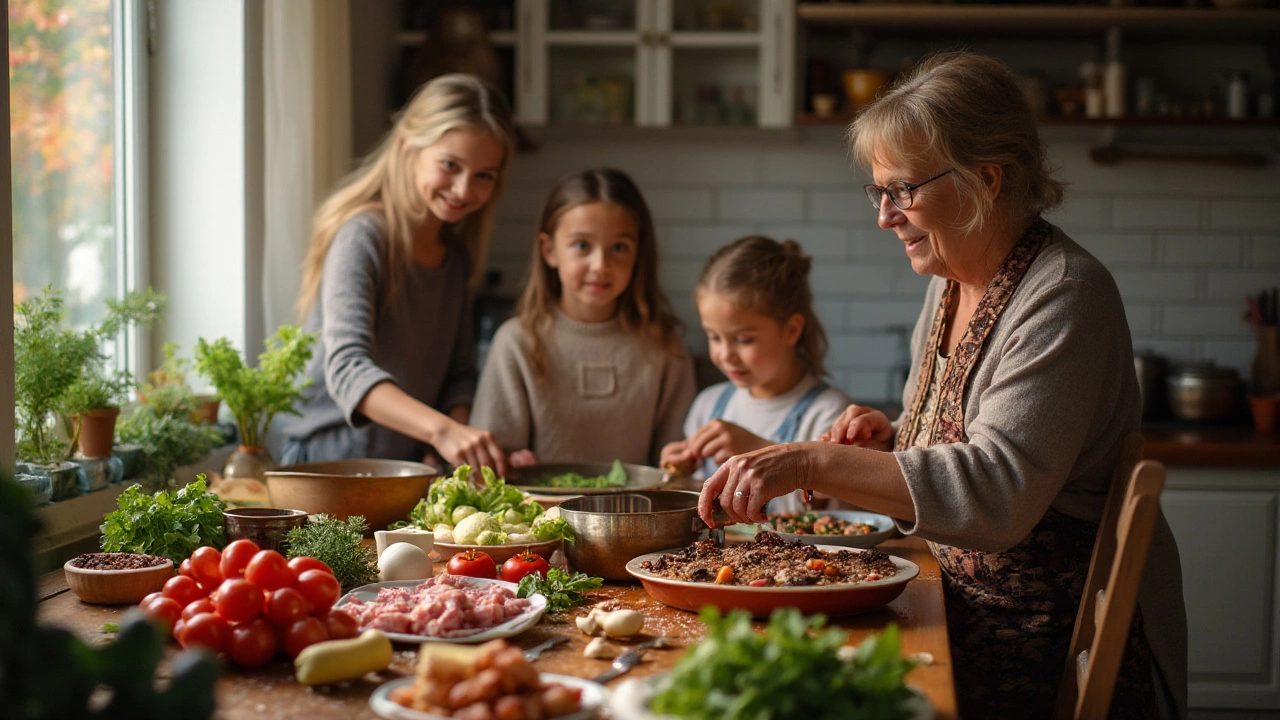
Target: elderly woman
[(1021, 394)]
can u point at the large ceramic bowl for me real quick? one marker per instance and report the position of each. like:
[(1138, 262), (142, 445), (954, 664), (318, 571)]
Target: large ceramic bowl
[(115, 587), (383, 491), (830, 600)]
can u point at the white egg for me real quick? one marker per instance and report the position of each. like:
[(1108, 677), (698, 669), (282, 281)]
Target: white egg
[(403, 561)]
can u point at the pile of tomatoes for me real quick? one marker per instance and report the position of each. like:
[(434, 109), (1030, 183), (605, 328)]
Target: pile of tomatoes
[(478, 564), (251, 603)]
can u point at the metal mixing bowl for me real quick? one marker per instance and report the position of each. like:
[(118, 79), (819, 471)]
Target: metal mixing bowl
[(611, 529), (383, 491)]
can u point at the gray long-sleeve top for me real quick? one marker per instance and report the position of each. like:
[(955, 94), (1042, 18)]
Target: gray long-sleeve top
[(420, 338), (1046, 410)]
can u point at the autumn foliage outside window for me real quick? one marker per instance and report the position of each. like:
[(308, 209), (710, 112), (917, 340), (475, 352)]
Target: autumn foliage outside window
[(62, 121)]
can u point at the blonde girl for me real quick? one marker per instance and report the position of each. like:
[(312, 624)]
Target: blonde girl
[(757, 309), (385, 285), (592, 368)]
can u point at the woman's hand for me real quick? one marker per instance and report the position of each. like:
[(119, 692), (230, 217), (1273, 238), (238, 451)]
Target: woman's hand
[(677, 455), (464, 445), (863, 427), (522, 458), (744, 483), (720, 440)]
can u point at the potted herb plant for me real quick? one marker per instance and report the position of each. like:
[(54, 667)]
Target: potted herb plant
[(61, 372), (254, 395)]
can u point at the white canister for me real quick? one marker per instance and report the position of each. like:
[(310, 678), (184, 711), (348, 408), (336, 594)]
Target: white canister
[(1237, 94)]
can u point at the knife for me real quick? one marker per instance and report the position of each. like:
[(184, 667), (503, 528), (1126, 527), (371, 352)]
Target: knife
[(532, 653), (627, 660)]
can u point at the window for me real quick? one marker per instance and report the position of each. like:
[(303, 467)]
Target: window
[(73, 72)]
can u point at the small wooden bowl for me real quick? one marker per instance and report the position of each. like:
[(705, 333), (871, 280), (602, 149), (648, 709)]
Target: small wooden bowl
[(116, 587)]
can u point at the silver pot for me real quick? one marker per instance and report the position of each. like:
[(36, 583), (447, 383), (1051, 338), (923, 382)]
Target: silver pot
[(609, 530), (1203, 392)]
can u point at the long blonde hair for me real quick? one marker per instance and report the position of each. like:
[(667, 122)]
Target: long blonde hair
[(771, 278), (961, 110), (643, 309), (384, 184)]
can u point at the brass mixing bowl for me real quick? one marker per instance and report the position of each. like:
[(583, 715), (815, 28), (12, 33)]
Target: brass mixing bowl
[(383, 491)]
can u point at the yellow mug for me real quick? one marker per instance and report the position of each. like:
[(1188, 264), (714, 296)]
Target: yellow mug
[(861, 86)]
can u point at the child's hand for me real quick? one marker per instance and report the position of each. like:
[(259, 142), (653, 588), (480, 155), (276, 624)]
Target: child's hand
[(720, 440), (862, 427), (522, 458), (677, 459)]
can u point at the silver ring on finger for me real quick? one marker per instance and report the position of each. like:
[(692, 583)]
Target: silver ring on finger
[(738, 493)]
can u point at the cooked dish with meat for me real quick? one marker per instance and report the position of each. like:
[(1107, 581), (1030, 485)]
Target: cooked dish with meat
[(770, 561), (811, 523)]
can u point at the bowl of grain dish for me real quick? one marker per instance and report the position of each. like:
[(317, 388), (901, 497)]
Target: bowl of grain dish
[(116, 578)]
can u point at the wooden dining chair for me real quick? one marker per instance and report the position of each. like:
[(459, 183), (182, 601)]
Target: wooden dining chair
[(1111, 589)]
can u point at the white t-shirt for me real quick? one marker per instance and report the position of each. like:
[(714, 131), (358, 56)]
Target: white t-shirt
[(763, 417)]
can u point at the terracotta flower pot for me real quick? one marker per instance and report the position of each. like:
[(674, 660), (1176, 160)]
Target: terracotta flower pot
[(97, 431), (206, 409)]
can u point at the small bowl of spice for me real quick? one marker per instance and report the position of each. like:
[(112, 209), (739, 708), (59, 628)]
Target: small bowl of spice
[(116, 578)]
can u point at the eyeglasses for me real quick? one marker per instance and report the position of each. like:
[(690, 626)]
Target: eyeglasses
[(903, 194)]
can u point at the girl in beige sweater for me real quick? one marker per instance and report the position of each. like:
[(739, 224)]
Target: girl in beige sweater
[(591, 368)]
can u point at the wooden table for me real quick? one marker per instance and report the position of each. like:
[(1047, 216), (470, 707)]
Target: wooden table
[(270, 692)]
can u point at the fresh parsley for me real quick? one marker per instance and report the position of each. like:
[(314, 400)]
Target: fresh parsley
[(789, 670), (562, 590), (340, 545), (169, 524)]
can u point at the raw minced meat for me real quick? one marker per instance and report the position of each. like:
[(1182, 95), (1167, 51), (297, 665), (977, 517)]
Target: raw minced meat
[(771, 561), (446, 606)]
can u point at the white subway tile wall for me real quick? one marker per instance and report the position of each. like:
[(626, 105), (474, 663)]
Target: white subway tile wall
[(1184, 242)]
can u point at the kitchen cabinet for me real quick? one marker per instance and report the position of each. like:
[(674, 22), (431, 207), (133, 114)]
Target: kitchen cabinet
[(1182, 56), (655, 63), (1225, 521)]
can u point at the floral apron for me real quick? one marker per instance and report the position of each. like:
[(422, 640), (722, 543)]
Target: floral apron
[(1010, 614)]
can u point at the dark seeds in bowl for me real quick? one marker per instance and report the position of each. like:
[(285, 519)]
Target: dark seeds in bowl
[(116, 561)]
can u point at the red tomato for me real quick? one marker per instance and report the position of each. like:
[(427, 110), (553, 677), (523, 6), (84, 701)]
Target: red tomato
[(472, 563), (238, 600), (178, 627), (340, 625), (185, 568), (269, 571), (286, 606), (203, 605), (303, 634), (183, 589), (204, 566), (252, 644), (302, 563), (319, 589), (151, 596), (521, 564), (206, 630), (236, 556), (164, 609)]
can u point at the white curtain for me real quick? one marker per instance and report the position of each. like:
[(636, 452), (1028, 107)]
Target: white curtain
[(307, 106)]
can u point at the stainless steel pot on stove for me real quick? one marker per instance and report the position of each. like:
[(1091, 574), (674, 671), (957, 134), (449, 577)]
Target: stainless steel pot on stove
[(609, 530), (1203, 392)]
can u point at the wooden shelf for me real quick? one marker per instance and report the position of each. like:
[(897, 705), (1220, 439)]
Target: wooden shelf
[(809, 119), (414, 38), (1202, 23)]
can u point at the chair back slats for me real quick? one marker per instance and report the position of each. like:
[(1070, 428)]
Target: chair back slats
[(1111, 588)]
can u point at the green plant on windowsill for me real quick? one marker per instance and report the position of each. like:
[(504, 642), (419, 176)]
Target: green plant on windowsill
[(61, 372), (166, 389), (255, 395), (168, 441)]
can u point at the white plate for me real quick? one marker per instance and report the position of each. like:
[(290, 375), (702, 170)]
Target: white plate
[(883, 525), (514, 626), (630, 701), (594, 697)]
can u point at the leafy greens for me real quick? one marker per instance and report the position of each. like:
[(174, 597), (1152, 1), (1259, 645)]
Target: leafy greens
[(169, 524), (562, 590), (788, 671), (617, 477), (496, 498)]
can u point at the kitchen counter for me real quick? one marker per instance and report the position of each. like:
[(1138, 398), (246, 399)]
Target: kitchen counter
[(1221, 446), (270, 691)]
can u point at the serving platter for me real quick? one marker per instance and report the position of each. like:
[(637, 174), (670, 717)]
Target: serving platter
[(883, 524), (831, 600), (512, 627), (631, 701), (594, 697), (639, 477)]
